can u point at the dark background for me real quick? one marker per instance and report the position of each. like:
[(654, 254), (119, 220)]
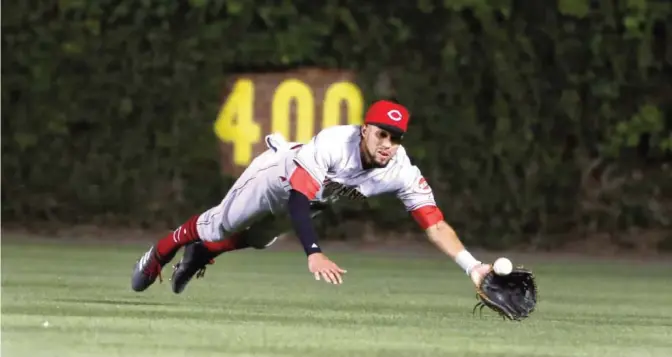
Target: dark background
[(537, 123)]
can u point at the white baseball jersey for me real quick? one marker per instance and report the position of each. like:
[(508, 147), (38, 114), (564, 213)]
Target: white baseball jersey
[(334, 170)]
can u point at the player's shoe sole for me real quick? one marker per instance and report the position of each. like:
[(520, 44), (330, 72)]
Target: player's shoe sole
[(196, 257), (147, 269)]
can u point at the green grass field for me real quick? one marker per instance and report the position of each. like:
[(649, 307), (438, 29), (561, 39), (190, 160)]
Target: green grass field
[(265, 303)]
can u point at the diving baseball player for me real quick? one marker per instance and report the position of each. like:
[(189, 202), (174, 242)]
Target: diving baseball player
[(292, 181)]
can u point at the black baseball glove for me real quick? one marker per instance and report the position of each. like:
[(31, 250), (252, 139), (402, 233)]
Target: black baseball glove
[(513, 296)]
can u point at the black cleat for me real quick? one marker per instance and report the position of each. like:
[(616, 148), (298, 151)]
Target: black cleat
[(196, 257), (147, 269)]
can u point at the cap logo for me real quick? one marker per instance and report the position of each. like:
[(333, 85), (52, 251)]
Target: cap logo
[(395, 115)]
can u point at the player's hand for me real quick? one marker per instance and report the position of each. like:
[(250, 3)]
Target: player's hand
[(479, 272), (323, 268)]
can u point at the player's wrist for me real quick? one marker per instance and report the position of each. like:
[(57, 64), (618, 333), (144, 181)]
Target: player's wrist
[(466, 261)]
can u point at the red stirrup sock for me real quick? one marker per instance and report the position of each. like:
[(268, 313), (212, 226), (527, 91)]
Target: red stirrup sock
[(184, 234)]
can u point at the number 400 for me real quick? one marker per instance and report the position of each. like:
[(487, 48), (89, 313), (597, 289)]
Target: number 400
[(235, 122)]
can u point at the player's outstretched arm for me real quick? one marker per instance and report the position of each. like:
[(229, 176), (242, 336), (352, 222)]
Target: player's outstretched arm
[(417, 197)]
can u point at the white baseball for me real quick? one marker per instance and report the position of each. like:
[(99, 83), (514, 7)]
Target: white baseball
[(502, 266)]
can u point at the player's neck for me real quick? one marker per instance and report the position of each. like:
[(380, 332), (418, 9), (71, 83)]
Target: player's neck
[(364, 158), (366, 164)]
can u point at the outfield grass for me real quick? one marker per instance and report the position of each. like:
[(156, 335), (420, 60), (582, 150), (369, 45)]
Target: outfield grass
[(264, 303)]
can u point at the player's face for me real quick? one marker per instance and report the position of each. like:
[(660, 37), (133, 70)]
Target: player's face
[(379, 145)]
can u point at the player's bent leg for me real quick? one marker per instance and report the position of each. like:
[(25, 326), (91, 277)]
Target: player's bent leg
[(206, 227), (242, 203), (216, 228), (198, 255), (226, 227)]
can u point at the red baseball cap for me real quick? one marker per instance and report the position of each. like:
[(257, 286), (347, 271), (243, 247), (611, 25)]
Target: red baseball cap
[(388, 115)]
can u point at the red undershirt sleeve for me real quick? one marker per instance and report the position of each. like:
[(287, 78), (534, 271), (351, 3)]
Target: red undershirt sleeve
[(303, 182), (427, 216)]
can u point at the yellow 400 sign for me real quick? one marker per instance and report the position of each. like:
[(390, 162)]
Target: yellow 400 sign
[(249, 113)]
